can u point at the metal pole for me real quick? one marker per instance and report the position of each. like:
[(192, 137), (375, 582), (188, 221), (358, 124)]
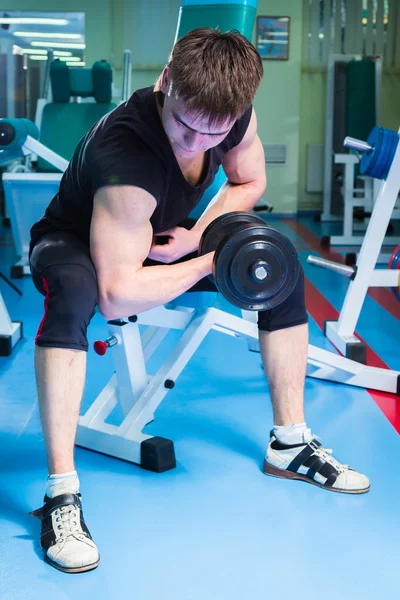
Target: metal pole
[(46, 83), (332, 266), (126, 75), (359, 145)]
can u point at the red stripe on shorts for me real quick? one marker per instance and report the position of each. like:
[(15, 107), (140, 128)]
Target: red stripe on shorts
[(46, 308)]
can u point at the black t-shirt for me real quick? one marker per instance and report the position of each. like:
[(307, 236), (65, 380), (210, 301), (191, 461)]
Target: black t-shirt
[(128, 146)]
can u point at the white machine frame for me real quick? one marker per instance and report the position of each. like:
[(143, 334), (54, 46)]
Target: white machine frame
[(10, 331), (140, 395), (18, 221), (365, 197), (341, 332)]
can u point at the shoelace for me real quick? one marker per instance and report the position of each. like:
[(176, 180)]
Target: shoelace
[(68, 522), (326, 453)]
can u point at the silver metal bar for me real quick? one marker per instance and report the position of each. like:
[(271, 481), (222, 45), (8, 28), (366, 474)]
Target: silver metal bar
[(126, 75), (46, 83), (332, 266), (54, 159), (359, 145)]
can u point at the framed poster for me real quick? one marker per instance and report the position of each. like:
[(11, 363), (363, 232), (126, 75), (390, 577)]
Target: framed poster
[(273, 37)]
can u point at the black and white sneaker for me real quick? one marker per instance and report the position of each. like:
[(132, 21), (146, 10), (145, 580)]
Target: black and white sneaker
[(314, 464), (65, 537)]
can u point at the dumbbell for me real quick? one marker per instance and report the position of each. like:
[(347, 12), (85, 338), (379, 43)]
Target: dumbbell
[(255, 267), (377, 152)]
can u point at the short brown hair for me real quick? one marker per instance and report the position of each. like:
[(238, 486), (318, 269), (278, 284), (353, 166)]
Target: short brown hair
[(216, 74)]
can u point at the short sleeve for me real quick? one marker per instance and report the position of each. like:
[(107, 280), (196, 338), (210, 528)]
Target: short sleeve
[(122, 158), (240, 127)]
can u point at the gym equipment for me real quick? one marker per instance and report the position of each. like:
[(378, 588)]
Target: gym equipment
[(235, 14), (382, 156), (353, 109), (18, 138), (351, 271), (345, 270), (10, 331), (358, 207), (353, 104), (134, 339), (255, 267), (27, 194), (394, 263), (377, 153), (69, 84)]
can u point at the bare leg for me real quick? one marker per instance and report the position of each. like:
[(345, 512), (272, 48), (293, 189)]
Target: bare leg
[(284, 355), (60, 379)]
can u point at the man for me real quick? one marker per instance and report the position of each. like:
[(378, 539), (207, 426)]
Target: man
[(137, 174)]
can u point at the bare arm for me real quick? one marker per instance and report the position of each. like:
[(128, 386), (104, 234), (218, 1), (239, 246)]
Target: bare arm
[(244, 167), (120, 240)]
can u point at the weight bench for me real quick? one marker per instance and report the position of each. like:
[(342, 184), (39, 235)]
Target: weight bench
[(139, 394)]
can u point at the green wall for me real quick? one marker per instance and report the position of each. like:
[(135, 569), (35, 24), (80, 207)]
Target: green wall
[(277, 105)]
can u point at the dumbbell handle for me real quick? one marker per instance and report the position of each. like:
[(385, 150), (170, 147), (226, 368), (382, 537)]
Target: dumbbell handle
[(359, 145), (102, 347), (345, 270)]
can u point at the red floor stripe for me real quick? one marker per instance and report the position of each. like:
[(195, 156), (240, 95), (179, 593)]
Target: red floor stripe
[(355, 249), (383, 296), (321, 310)]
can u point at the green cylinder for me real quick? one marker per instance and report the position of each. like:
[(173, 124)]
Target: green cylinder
[(223, 16)]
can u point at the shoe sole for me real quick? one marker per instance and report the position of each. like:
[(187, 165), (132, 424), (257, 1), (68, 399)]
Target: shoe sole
[(71, 569), (284, 474)]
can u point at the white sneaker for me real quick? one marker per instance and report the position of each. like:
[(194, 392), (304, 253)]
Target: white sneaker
[(65, 537), (314, 464)]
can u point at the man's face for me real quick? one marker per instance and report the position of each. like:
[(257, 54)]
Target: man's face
[(189, 134)]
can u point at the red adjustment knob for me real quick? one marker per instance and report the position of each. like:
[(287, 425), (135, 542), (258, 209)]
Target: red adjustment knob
[(101, 347)]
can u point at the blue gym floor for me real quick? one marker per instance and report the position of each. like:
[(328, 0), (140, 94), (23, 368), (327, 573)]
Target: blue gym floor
[(215, 528)]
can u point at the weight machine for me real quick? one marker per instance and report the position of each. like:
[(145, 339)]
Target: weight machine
[(342, 69), (380, 159), (27, 193)]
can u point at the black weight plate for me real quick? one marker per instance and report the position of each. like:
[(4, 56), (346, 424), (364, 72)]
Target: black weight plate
[(221, 227), (235, 257)]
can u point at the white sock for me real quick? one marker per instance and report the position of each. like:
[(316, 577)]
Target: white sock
[(62, 483), (292, 434)]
